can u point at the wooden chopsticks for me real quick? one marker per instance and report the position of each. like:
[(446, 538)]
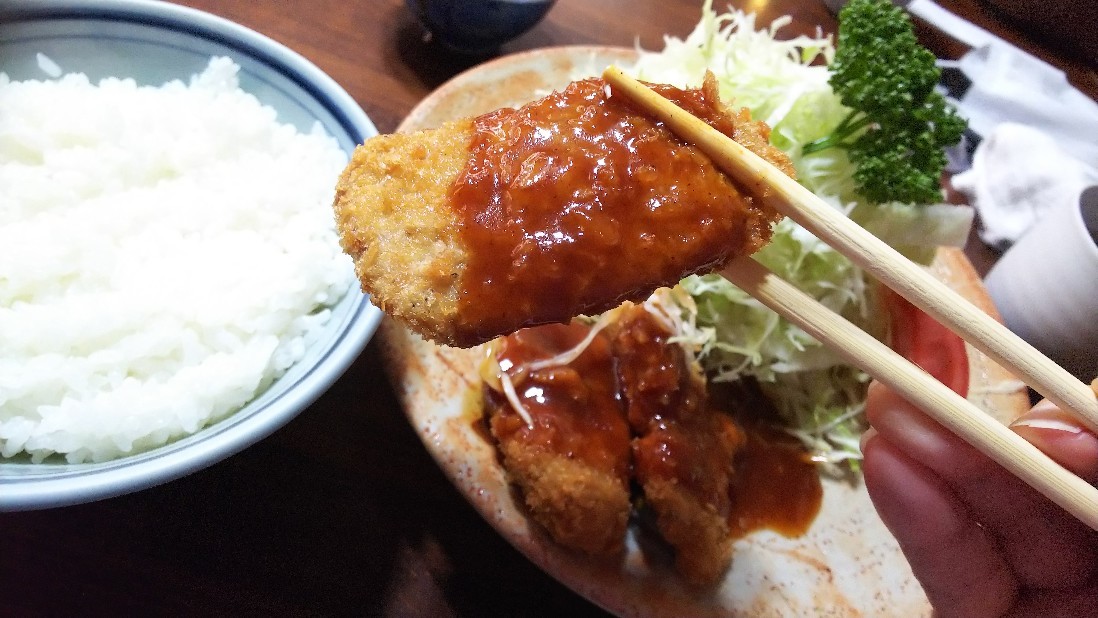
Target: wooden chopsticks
[(913, 283), (947, 407)]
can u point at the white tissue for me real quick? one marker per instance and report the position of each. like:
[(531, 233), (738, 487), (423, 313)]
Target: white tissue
[(1009, 85), (1012, 85), (1040, 134), (1017, 174)]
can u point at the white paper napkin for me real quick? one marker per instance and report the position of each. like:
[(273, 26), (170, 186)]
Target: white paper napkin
[(1038, 134), (1018, 174)]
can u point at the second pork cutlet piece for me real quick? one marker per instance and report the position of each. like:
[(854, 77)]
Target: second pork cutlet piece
[(563, 437), (683, 450)]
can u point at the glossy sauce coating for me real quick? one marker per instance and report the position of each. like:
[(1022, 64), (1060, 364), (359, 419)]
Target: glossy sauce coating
[(678, 437), (575, 408), (578, 201), (630, 404)]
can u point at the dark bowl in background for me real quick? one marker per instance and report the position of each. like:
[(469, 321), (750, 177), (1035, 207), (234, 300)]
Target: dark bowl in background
[(478, 26)]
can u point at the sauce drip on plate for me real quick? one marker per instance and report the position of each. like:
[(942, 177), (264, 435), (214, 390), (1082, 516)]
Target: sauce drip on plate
[(776, 485)]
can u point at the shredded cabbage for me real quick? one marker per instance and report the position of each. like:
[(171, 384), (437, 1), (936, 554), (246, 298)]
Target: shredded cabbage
[(785, 83)]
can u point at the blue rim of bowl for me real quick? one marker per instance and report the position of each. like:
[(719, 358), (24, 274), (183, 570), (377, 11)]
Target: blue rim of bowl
[(69, 484)]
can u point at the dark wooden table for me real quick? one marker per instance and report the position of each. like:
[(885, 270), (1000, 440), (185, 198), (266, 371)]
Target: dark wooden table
[(342, 512)]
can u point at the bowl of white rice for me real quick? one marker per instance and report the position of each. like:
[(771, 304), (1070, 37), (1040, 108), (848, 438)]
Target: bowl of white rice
[(171, 284)]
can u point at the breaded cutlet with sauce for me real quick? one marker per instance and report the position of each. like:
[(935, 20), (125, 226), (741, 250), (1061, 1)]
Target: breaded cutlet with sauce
[(682, 448), (568, 205), (579, 412), (562, 433)]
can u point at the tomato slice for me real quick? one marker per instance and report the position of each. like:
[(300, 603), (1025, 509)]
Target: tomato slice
[(928, 344)]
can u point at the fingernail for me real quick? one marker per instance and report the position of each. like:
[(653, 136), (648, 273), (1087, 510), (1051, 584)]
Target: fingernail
[(1045, 415), (1047, 423), (866, 437), (1044, 406), (913, 430), (1061, 437)]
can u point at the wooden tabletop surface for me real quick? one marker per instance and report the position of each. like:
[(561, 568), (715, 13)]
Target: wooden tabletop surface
[(343, 512)]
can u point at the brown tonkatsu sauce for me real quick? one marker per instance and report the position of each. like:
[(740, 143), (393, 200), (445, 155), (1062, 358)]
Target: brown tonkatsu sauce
[(679, 438), (580, 192), (630, 406), (776, 486), (575, 408)]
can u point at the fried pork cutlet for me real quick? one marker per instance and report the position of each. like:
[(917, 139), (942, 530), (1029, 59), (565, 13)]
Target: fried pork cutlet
[(563, 437), (683, 450), (581, 422), (568, 205)]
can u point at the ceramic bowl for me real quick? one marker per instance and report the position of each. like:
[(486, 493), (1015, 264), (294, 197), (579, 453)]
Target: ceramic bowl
[(478, 26), (155, 42)]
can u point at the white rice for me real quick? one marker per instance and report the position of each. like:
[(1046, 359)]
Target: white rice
[(165, 254)]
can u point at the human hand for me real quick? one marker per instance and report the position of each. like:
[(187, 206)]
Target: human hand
[(982, 542)]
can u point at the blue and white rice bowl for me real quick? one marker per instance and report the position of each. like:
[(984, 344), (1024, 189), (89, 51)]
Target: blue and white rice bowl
[(154, 43)]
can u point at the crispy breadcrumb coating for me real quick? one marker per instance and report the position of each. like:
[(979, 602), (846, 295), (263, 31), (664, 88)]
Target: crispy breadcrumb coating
[(683, 450), (568, 451), (392, 212)]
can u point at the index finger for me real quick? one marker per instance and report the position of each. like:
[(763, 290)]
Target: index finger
[(1043, 544)]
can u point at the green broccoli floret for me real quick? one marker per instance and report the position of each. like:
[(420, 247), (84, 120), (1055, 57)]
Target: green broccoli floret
[(898, 125)]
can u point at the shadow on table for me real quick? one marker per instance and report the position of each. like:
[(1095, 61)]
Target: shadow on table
[(342, 512)]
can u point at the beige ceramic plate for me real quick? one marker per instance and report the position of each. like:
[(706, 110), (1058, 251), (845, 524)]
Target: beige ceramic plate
[(846, 565)]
